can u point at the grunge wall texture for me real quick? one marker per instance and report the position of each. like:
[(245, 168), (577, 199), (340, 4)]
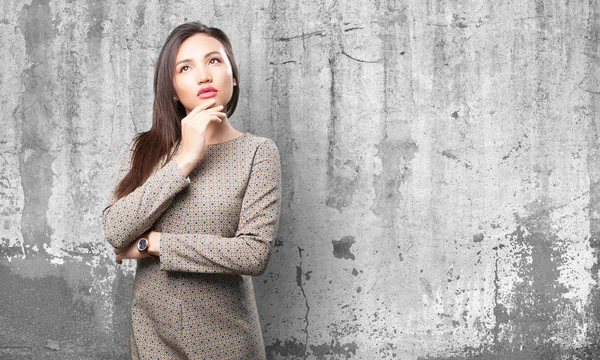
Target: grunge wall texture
[(441, 172)]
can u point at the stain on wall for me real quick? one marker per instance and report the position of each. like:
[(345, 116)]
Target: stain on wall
[(341, 248), (440, 171)]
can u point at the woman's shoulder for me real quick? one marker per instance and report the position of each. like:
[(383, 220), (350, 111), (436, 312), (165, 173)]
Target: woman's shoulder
[(262, 150), (259, 142)]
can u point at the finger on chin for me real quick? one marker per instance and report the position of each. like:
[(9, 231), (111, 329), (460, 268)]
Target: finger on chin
[(206, 105)]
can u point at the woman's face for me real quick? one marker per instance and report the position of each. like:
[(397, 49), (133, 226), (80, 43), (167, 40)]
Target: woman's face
[(202, 72)]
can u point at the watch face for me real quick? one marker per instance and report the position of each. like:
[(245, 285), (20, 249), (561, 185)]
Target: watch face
[(142, 244)]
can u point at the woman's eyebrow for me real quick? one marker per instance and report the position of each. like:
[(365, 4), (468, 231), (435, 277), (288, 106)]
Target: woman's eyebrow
[(205, 56), (212, 52), (183, 61)]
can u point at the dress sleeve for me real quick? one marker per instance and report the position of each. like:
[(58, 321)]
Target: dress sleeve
[(129, 217), (248, 252)]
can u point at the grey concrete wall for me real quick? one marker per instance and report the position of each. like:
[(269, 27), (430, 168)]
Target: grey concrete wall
[(441, 169)]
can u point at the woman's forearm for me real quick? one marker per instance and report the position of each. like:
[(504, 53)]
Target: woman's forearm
[(129, 217)]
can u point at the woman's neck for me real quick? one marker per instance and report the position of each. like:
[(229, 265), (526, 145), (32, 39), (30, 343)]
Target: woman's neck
[(220, 132)]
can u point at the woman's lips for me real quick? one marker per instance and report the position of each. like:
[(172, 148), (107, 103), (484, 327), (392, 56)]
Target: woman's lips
[(207, 92)]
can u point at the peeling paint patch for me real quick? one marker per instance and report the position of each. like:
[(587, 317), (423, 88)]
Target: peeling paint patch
[(9, 252), (341, 248), (294, 349), (538, 300), (288, 348), (334, 348), (528, 326)]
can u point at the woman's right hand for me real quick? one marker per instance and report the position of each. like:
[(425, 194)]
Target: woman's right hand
[(193, 134)]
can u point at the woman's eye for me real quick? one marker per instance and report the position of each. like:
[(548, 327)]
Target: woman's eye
[(184, 68), (214, 61)]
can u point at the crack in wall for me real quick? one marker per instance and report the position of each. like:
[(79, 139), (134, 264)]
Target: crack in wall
[(299, 282), (302, 36)]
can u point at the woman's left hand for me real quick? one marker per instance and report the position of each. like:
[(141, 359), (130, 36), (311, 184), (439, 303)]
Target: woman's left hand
[(131, 251)]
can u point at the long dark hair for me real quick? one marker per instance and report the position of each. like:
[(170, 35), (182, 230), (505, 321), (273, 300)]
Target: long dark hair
[(152, 146)]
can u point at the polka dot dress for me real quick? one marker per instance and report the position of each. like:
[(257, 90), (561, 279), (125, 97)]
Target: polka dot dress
[(196, 300)]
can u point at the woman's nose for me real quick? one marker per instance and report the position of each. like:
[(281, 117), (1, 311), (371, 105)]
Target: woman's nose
[(202, 76)]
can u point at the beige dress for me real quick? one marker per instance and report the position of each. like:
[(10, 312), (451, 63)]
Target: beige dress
[(196, 300)]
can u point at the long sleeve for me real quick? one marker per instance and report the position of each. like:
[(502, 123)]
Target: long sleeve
[(247, 253), (128, 218)]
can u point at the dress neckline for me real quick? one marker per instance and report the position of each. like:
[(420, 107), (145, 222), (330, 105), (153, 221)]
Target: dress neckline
[(228, 141)]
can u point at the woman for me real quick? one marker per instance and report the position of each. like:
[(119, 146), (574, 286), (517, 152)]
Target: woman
[(197, 204)]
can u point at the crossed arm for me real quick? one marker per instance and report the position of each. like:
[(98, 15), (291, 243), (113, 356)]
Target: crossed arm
[(247, 253)]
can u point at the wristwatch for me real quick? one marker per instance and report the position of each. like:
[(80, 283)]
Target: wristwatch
[(143, 245)]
